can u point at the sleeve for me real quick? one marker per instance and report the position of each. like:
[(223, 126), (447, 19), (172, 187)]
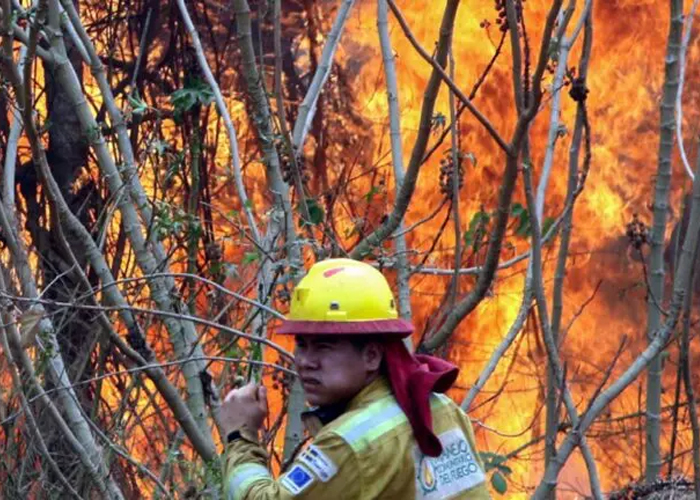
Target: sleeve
[(328, 469)]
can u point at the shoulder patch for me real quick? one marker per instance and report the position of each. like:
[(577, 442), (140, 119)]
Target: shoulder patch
[(454, 471), (297, 479), (319, 463)]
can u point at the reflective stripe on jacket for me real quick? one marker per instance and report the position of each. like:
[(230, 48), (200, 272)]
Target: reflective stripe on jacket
[(368, 452)]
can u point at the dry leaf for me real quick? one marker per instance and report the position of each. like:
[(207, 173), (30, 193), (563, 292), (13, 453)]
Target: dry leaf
[(29, 326)]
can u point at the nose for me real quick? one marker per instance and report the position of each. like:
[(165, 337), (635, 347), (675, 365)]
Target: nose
[(305, 360)]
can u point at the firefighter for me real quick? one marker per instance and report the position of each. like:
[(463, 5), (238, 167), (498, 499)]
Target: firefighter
[(381, 425)]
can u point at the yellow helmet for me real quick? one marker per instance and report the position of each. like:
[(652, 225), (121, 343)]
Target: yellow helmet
[(344, 296)]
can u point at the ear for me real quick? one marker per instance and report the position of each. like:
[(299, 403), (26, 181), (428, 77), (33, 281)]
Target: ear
[(372, 355)]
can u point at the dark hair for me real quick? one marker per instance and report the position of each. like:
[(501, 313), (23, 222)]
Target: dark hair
[(360, 341)]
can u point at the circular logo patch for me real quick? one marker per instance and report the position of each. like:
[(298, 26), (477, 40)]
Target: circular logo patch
[(426, 476)]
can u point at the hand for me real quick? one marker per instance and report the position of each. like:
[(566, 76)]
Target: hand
[(244, 409)]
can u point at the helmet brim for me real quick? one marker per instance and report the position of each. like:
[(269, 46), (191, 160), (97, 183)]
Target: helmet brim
[(390, 327)]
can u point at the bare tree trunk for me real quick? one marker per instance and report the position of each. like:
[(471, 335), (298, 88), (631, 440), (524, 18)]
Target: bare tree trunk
[(33, 425), (512, 152), (419, 146), (282, 220), (392, 93), (182, 333), (552, 406), (681, 287), (84, 443), (551, 346), (685, 366), (658, 232)]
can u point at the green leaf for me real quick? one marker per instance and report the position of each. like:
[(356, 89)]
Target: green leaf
[(215, 267), (370, 194), (438, 122), (480, 219), (316, 214), (234, 352), (477, 227), (522, 216), (256, 351), (138, 105), (494, 461), (547, 225), (468, 238), (517, 210), (499, 483), (193, 93), (250, 257)]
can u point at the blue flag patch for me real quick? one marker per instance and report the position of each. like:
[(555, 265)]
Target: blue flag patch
[(297, 479)]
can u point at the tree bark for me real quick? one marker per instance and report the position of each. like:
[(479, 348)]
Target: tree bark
[(662, 190)]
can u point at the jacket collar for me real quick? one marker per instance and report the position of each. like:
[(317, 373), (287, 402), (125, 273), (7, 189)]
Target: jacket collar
[(316, 418), (373, 391)]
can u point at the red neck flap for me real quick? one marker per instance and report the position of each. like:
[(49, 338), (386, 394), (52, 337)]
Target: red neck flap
[(413, 378)]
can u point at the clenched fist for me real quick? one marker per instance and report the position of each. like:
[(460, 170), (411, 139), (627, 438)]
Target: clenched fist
[(244, 409)]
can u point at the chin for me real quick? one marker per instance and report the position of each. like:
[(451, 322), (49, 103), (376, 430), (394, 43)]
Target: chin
[(321, 399), (318, 401)]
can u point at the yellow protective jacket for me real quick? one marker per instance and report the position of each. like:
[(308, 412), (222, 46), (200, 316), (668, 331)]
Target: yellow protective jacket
[(367, 452)]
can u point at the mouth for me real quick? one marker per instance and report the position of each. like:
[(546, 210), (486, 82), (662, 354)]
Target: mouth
[(310, 382)]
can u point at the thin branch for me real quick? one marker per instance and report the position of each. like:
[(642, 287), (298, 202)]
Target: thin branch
[(8, 187), (150, 366), (659, 340), (31, 421), (501, 349), (505, 194), (456, 182), (202, 445), (437, 67), (282, 114), (261, 115), (472, 96), (516, 52), (685, 365), (150, 255), (681, 77), (555, 112), (125, 455), (29, 374), (403, 199), (307, 109), (194, 277), (155, 312), (552, 410), (246, 205), (550, 343)]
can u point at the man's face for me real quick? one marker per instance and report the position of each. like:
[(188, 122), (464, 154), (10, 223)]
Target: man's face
[(331, 369)]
